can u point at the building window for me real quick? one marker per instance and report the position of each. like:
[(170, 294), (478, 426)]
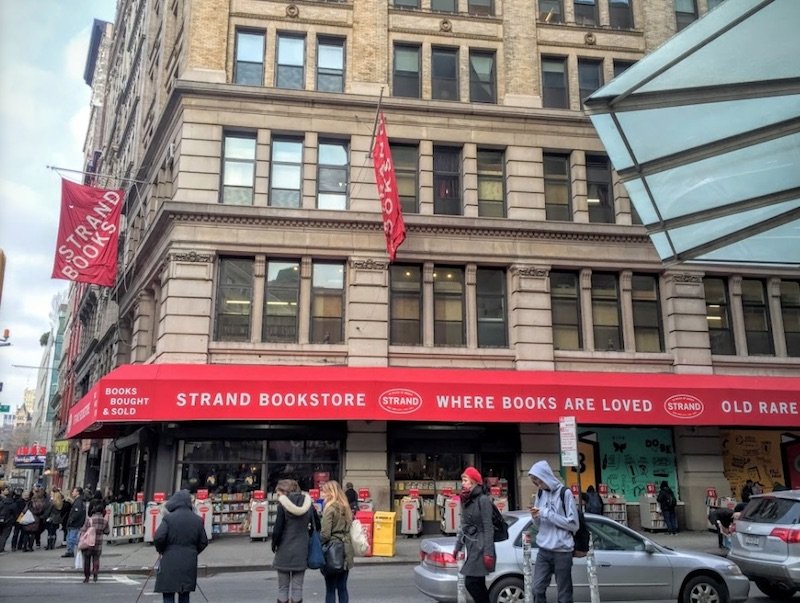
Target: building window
[(712, 4), (557, 197), (482, 77), (646, 313), (332, 176), (490, 287), (790, 310), (550, 11), (330, 65), (234, 299), (291, 62), (480, 8), (598, 186), (605, 312), (620, 14), (685, 12), (444, 73), (718, 316), (554, 83), (406, 71), (448, 306), (286, 175), (405, 159), (621, 66), (238, 169), (756, 318), (491, 191), (566, 308), (406, 305), (281, 297), (249, 68), (444, 6), (447, 181), (586, 12), (590, 77), (406, 3), (327, 303)]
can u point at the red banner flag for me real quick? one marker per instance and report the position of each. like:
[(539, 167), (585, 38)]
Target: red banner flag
[(393, 225), (88, 232)]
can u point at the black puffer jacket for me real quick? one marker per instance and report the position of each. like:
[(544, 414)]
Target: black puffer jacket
[(290, 535), (180, 538)]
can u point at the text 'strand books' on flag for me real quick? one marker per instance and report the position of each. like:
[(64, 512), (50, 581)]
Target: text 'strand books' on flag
[(88, 234), (393, 225)]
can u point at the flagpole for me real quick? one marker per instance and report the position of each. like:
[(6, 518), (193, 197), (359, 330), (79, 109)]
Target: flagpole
[(97, 174), (375, 125)]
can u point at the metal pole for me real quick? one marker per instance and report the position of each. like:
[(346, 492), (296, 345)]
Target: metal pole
[(462, 590), (591, 570), (527, 570)]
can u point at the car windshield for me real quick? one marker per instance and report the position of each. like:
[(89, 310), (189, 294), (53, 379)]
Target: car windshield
[(768, 509)]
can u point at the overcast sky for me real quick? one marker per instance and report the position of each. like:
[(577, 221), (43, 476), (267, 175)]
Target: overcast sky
[(44, 108)]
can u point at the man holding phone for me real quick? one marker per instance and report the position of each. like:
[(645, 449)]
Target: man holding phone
[(555, 514)]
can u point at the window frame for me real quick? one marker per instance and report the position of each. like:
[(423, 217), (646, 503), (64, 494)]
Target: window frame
[(565, 304), (401, 298), (642, 309), (444, 204), (449, 7), (478, 82), (237, 63), (229, 163), (486, 176), (321, 293), (552, 179), (281, 69), (684, 18), (618, 17), (480, 8), (327, 72), (443, 328), (402, 81), (488, 296), (620, 66), (405, 172), (441, 84), (220, 297), (343, 169), (592, 68), (555, 97), (751, 307), (585, 17), (281, 293), (547, 14), (790, 308), (276, 164), (721, 341), (602, 212), (604, 301)]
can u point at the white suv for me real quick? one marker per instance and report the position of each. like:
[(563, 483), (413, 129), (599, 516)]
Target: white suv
[(765, 543)]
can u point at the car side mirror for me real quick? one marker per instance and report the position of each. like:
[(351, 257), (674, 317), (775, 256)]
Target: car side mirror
[(649, 548)]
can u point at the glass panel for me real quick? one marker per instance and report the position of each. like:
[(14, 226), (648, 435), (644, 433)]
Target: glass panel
[(491, 193), (249, 74), (646, 313), (250, 47), (620, 14), (237, 147), (720, 335), (406, 3), (286, 176), (405, 167), (482, 77), (491, 307), (286, 173), (222, 451), (239, 174), (331, 55), (585, 12), (483, 8), (281, 298), (565, 311), (444, 6), (327, 303), (605, 312), (234, 299), (448, 306), (406, 72), (222, 478), (406, 305), (550, 11), (287, 150), (600, 203), (590, 77), (291, 51), (444, 74), (446, 181)]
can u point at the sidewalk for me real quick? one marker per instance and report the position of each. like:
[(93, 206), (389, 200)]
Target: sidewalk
[(239, 554)]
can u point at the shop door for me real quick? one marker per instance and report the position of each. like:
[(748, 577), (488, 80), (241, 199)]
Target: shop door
[(501, 466)]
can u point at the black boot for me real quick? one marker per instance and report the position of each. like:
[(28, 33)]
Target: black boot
[(51, 543)]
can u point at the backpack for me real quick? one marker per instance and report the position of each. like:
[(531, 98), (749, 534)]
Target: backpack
[(668, 501), (581, 537), (499, 525)]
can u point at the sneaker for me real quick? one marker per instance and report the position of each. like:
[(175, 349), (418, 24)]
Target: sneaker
[(68, 554)]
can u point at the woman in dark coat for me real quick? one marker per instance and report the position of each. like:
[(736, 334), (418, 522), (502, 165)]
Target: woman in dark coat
[(290, 539), (476, 534), (95, 521), (180, 538)]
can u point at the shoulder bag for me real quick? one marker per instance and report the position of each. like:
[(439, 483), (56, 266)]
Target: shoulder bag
[(316, 558), (88, 539), (334, 557), (359, 538)]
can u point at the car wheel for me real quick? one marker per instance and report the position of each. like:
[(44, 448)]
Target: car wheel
[(775, 590), (704, 589), (507, 590)]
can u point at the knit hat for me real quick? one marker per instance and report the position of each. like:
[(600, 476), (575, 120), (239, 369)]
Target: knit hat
[(473, 474)]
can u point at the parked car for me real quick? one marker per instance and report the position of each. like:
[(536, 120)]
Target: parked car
[(630, 567), (765, 543)]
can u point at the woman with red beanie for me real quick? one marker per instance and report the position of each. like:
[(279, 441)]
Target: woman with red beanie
[(476, 534)]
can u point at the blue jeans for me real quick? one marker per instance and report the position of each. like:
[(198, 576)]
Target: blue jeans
[(671, 519), (547, 564), (72, 539), (336, 584)]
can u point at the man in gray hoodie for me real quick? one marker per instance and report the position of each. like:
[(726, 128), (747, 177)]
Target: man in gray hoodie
[(556, 516)]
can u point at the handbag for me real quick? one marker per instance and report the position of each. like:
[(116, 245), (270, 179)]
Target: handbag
[(334, 557), (26, 518), (316, 558), (87, 539), (358, 538)]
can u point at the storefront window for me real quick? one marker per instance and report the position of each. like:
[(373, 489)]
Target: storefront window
[(221, 478)]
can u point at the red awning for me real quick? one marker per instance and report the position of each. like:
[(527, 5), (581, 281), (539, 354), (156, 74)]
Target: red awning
[(199, 392)]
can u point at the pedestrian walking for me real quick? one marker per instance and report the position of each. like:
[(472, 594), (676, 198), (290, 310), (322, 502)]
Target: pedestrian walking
[(290, 535), (37, 506), (53, 517), (8, 517), (336, 520), (555, 515), (476, 535), (352, 496), (179, 539), (722, 519), (747, 491), (75, 521), (65, 510), (18, 536), (91, 556), (668, 503)]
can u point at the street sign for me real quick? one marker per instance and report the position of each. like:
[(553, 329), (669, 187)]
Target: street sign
[(569, 441), (5, 408)]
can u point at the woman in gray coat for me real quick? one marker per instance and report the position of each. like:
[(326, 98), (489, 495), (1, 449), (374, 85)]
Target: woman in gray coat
[(290, 539), (179, 539), (476, 534)]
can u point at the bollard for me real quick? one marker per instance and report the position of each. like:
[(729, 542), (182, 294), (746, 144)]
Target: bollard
[(591, 570), (462, 590), (527, 571)]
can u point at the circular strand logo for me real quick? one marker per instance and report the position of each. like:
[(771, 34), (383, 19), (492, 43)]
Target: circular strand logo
[(684, 406), (400, 401)]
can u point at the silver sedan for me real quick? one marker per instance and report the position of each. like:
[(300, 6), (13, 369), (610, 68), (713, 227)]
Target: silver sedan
[(630, 567)]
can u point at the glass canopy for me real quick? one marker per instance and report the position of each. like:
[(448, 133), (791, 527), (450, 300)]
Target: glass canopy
[(705, 134)]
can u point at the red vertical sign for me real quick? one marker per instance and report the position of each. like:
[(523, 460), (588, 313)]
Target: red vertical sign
[(393, 225)]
